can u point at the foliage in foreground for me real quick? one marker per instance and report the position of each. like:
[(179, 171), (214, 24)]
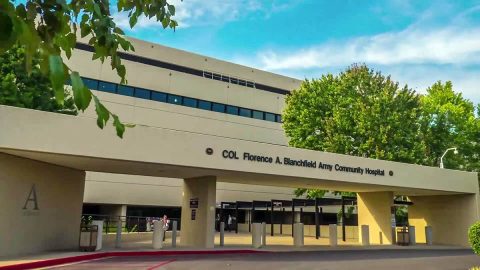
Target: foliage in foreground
[(48, 29), (474, 237)]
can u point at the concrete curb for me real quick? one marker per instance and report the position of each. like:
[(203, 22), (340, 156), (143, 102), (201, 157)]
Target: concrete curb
[(99, 255)]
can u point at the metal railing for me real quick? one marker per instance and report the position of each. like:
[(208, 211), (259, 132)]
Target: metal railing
[(130, 224)]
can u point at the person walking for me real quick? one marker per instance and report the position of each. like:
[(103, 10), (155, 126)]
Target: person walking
[(229, 223), (165, 225)]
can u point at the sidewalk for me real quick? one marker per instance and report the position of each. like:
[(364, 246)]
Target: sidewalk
[(234, 243)]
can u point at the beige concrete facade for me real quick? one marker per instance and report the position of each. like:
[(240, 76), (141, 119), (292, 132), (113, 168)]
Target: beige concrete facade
[(40, 208), (450, 216)]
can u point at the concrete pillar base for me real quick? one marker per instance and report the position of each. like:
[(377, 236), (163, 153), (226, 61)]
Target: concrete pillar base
[(298, 235), (198, 212), (332, 235)]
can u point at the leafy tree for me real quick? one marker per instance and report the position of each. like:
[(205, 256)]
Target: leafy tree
[(359, 112), (49, 29), (450, 120), (33, 91)]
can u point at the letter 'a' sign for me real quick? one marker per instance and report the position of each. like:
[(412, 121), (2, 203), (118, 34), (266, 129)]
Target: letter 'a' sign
[(194, 203), (31, 200)]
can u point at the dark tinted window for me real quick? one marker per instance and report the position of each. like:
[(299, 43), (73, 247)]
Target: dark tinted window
[(245, 112), (234, 80), (279, 118), (225, 78), (250, 84), (217, 76), (258, 115), (190, 102), (218, 107), (158, 96), (174, 99), (242, 82), (142, 93), (107, 87), (90, 84), (205, 105), (232, 110), (270, 117), (125, 90)]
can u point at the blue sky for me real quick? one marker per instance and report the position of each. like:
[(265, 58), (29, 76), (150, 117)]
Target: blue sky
[(417, 42)]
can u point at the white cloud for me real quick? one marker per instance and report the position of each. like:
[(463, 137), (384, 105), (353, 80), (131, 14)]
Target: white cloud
[(450, 45), (210, 12)]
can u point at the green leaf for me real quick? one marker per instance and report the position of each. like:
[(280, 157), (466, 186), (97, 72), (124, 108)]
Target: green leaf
[(119, 126), (133, 20), (57, 77), (102, 113), (118, 31), (81, 94), (171, 9)]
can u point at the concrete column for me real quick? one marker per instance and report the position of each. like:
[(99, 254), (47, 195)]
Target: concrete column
[(332, 235), (174, 233), (198, 224), (256, 235), (222, 234), (411, 235), (365, 232), (428, 235), (264, 234), (158, 232), (298, 235), (118, 238), (449, 216), (99, 224), (374, 210)]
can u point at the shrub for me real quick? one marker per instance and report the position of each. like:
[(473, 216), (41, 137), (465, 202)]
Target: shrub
[(474, 237)]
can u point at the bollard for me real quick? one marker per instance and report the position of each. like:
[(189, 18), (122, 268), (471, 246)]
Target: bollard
[(332, 234), (99, 224), (157, 241), (118, 239), (298, 235), (256, 235), (428, 235), (174, 233), (411, 235), (149, 226), (365, 235), (222, 234), (264, 234)]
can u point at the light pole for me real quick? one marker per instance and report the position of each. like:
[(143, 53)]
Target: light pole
[(441, 158)]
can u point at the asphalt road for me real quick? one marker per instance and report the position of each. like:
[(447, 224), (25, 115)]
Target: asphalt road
[(331, 260)]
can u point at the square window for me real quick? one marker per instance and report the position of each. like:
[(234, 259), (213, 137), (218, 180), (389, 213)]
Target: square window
[(242, 82), (257, 115), (245, 112), (234, 80), (205, 105), (270, 117), (125, 90), (217, 107), (90, 83), (142, 93), (159, 96), (107, 87), (232, 110), (217, 77), (207, 74), (225, 78), (279, 118), (190, 102), (250, 84), (174, 99)]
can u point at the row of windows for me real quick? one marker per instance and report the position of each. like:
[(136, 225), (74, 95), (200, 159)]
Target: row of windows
[(228, 79), (189, 70), (179, 100)]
